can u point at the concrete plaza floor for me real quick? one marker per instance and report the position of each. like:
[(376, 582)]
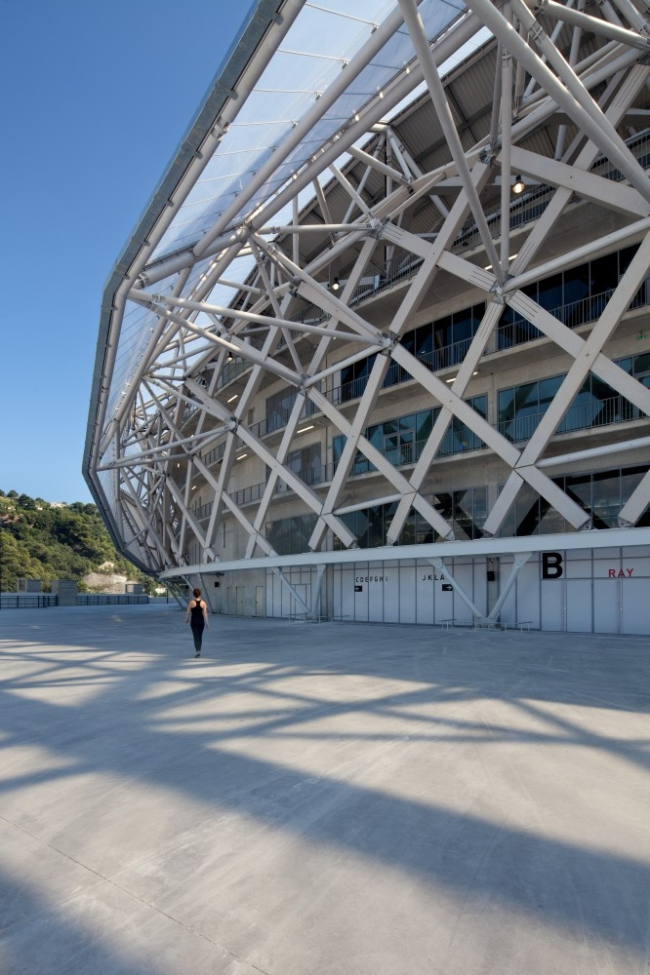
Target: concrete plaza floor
[(331, 799)]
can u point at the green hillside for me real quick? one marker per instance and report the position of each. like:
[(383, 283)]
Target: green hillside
[(46, 542)]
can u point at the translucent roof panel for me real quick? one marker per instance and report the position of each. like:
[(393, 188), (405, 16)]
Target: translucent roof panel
[(323, 38), (319, 44)]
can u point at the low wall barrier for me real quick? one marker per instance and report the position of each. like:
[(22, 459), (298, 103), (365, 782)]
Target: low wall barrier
[(111, 599), (45, 600), (27, 600)]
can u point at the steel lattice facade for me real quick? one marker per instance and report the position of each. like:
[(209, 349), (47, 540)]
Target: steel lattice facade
[(377, 349)]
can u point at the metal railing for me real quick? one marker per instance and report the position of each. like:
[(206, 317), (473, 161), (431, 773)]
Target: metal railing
[(202, 511), (45, 600), (214, 455), (582, 416), (27, 600), (573, 314), (311, 476), (638, 145), (111, 599), (279, 419), (458, 439), (517, 332)]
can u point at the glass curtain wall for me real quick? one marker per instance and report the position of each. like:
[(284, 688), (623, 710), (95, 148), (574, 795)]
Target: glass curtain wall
[(596, 404), (600, 493), (401, 440)]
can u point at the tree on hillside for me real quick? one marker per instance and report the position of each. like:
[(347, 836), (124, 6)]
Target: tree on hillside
[(46, 543)]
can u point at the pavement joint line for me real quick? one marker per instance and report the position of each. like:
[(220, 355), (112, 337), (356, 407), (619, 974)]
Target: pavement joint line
[(125, 890)]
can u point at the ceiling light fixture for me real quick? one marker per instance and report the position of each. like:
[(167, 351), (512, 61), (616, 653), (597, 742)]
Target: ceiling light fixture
[(518, 186), (232, 398), (336, 284), (305, 429), (242, 456)]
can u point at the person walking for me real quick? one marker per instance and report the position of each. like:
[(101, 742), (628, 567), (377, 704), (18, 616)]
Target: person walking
[(197, 617)]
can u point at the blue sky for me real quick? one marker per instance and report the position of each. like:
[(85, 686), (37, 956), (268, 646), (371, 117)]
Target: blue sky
[(95, 99)]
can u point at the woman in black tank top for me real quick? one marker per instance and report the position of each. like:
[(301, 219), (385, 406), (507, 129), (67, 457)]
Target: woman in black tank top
[(197, 617)]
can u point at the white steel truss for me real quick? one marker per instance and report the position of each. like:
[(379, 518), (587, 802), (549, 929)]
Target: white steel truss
[(319, 256)]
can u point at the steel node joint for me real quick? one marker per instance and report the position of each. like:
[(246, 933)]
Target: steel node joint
[(497, 295), (376, 227)]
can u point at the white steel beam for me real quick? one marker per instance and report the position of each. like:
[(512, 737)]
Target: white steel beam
[(427, 63), (595, 25), (605, 192), (520, 560), (610, 538), (565, 87), (438, 563)]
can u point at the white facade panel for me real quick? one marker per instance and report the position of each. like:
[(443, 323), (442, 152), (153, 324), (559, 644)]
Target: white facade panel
[(584, 599), (444, 607), (480, 585), (376, 602), (606, 606), (579, 604), (348, 603), (635, 605), (425, 586), (553, 594), (528, 595), (360, 594), (578, 569), (407, 595), (509, 609)]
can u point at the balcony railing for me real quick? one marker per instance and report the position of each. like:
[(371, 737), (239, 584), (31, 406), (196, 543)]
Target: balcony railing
[(582, 416), (573, 314), (214, 455), (517, 332), (458, 439)]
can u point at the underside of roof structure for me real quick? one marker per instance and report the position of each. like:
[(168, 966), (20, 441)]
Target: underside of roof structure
[(351, 163)]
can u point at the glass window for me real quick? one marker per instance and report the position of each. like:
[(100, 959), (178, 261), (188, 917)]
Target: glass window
[(606, 498), (641, 370), (469, 512), (625, 258), (576, 287), (290, 536), (604, 274), (424, 424), (279, 406), (601, 494), (354, 378), (522, 407), (306, 463), (338, 443), (631, 477), (550, 292), (527, 511), (423, 340), (462, 326)]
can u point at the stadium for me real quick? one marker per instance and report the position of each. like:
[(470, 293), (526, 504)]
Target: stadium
[(378, 348)]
